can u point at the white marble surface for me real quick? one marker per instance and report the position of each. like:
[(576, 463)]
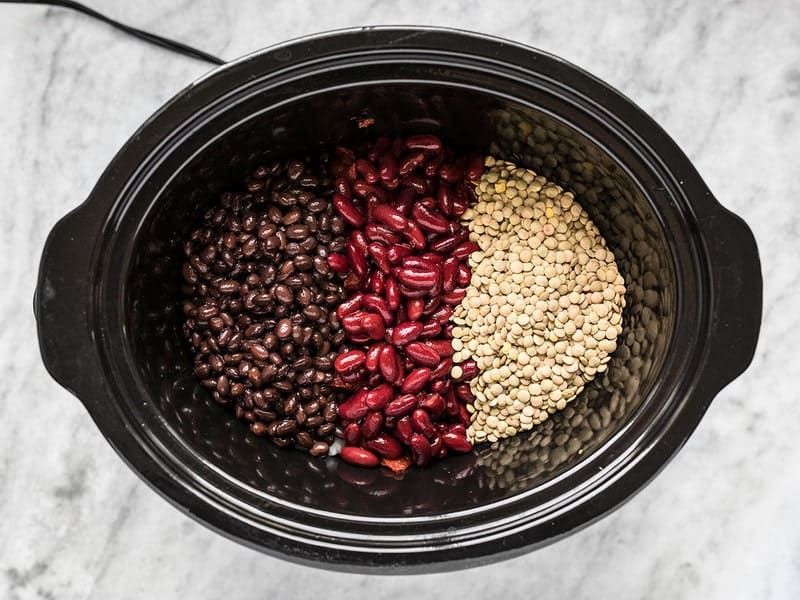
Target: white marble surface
[(721, 520)]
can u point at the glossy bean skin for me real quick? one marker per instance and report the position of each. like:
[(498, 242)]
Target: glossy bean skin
[(407, 261)]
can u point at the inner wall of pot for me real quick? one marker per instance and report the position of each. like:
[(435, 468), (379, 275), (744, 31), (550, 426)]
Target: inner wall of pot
[(468, 119)]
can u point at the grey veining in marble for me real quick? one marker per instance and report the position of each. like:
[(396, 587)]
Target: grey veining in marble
[(720, 521)]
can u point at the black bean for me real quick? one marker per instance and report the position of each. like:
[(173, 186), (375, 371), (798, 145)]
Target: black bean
[(297, 232), (319, 449), (304, 439), (295, 169), (317, 205), (303, 262), (283, 294), (283, 329), (259, 296)]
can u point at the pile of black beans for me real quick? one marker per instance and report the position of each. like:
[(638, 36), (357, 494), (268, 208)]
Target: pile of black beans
[(260, 301)]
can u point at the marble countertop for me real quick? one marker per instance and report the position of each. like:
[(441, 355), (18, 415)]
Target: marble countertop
[(723, 78)]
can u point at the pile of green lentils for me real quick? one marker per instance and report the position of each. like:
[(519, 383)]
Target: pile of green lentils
[(544, 307)]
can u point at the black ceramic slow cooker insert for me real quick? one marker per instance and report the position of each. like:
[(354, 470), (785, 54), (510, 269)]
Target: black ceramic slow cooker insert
[(108, 310)]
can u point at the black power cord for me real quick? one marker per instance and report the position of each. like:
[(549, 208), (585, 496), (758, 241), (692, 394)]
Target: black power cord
[(157, 40)]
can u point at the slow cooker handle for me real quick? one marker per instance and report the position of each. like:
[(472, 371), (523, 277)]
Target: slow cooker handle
[(737, 284), (60, 304)]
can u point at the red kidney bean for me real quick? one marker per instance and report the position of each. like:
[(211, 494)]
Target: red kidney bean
[(367, 170), (432, 258), (378, 253), (414, 308), (430, 220), (456, 442), (359, 456), (464, 275), (359, 241), (387, 362), (416, 380), (464, 249), (450, 270), (459, 207), (390, 217), (348, 210), (422, 354), (387, 167), (415, 183), (450, 403), (445, 243), (372, 425), (469, 369), (342, 187), (350, 306), (377, 282), (441, 385), (443, 347), (457, 428), (354, 322), (421, 421), (428, 202), (417, 278), (431, 304), (442, 369), (397, 252), (454, 297), (357, 260), (432, 166), (338, 262), (378, 233), (463, 393), (401, 405), (352, 434), (392, 293), (444, 199), (452, 172), (415, 236), (386, 445), (442, 314), (379, 396), (430, 329), (437, 447), (349, 361), (463, 414), (474, 168), (433, 403), (364, 190), (404, 429), (377, 304), (406, 332), (374, 379), (373, 326), (409, 162), (416, 262), (361, 337), (421, 449), (407, 292), (372, 356), (354, 407), (424, 142), (392, 184), (406, 198)]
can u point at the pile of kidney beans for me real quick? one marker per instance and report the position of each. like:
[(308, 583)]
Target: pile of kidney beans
[(406, 268)]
